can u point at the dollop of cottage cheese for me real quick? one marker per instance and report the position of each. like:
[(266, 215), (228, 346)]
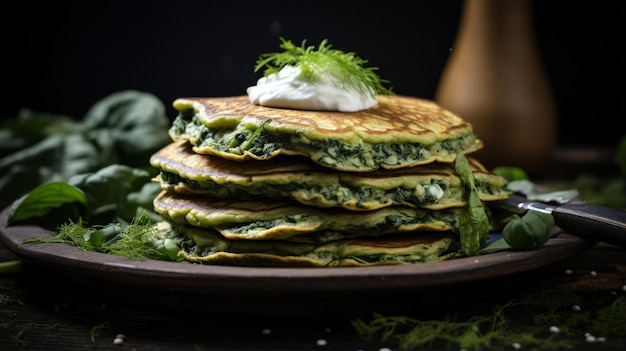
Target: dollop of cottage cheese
[(286, 89)]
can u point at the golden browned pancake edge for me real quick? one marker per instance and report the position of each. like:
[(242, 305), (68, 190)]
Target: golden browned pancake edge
[(395, 119), (178, 157)]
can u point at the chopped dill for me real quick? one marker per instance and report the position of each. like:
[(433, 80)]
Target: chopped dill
[(97, 330), (544, 308), (476, 333), (140, 239), (346, 68), (611, 320)]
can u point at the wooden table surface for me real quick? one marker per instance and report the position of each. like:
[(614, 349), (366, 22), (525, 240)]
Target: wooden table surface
[(43, 309)]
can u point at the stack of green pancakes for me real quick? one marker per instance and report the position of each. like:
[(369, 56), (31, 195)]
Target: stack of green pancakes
[(249, 185)]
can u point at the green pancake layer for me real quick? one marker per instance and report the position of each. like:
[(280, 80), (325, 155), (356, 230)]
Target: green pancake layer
[(399, 132), (434, 186)]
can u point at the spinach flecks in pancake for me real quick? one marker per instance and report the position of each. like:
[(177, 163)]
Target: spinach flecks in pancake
[(377, 186), (399, 132), (207, 246), (433, 186), (263, 220)]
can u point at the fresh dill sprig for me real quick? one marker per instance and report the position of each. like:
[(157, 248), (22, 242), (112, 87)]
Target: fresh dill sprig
[(525, 321), (345, 69), (480, 332), (140, 239)]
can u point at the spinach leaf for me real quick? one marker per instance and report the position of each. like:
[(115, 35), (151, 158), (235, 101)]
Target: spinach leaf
[(127, 127), (36, 148), (114, 194), (55, 158), (43, 199), (523, 233), (474, 224), (30, 127)]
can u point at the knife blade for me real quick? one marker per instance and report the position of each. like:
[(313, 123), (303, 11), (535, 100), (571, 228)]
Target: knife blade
[(591, 221)]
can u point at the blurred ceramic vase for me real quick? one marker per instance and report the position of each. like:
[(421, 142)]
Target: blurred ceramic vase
[(495, 80)]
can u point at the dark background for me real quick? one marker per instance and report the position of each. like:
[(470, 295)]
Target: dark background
[(63, 56)]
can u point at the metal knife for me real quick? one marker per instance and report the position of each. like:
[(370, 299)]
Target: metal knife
[(594, 222)]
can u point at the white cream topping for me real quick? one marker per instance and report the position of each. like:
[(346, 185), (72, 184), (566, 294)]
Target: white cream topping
[(286, 89)]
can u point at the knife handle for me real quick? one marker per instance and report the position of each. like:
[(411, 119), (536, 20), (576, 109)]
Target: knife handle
[(592, 222)]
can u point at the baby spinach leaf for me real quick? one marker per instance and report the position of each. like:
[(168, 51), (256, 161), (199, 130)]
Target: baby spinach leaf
[(497, 245), (55, 158), (114, 194), (529, 231), (44, 198), (522, 233), (107, 191), (30, 127), (126, 127), (474, 224), (510, 173)]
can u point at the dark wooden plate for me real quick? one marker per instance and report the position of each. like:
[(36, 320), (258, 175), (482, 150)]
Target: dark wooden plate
[(439, 280)]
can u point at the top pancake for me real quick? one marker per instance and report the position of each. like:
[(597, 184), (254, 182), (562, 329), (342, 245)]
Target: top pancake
[(399, 132)]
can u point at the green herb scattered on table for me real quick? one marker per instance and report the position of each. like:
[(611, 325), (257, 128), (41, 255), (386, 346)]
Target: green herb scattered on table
[(93, 175), (140, 239), (525, 322)]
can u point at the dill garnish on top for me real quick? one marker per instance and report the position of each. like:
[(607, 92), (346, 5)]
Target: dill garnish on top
[(345, 68)]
